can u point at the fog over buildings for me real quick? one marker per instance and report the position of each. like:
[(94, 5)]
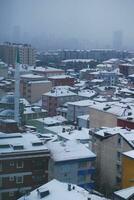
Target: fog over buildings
[(51, 24)]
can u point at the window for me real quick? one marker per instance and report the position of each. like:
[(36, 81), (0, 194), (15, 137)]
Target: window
[(11, 194), (11, 178), (119, 156), (0, 166), (19, 179), (83, 164), (11, 163), (119, 140), (118, 180), (20, 164), (82, 178)]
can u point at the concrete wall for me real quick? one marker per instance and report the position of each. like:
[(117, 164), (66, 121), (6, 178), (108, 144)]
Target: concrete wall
[(37, 89), (100, 118)]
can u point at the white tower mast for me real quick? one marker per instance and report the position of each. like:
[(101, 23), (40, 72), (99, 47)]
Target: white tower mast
[(17, 88)]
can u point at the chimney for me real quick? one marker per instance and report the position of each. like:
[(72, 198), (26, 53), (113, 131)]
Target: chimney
[(69, 187)]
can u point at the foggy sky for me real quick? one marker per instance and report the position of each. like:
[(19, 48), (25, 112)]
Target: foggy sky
[(92, 20)]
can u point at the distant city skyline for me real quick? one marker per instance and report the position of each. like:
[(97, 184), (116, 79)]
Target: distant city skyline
[(73, 24)]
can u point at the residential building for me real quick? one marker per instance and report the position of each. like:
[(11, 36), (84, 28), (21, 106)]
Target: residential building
[(108, 145), (33, 112), (27, 53), (3, 70), (61, 80), (127, 121), (106, 114), (23, 164), (56, 98), (56, 190), (72, 162), (33, 87), (126, 69), (78, 108)]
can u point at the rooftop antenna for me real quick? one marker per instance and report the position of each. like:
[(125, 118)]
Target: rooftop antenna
[(17, 88)]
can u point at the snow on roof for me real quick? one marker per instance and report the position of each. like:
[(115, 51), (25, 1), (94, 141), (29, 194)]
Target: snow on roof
[(60, 77), (116, 108), (33, 109), (131, 76), (58, 190), (109, 131), (100, 99), (77, 60), (129, 154), (82, 103), (69, 132), (104, 65), (97, 81), (40, 82), (86, 93), (69, 150), (127, 65), (24, 141), (59, 92), (84, 117), (31, 76), (80, 84), (125, 193), (129, 136), (111, 61), (46, 69), (52, 120)]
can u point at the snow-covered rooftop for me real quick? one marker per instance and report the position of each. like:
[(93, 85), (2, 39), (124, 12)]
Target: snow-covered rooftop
[(17, 142), (69, 150), (58, 190), (60, 77), (125, 193), (52, 120), (60, 92), (87, 93), (82, 103), (129, 154), (68, 132), (77, 60)]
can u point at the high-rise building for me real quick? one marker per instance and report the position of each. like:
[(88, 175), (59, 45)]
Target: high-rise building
[(27, 53), (118, 40)]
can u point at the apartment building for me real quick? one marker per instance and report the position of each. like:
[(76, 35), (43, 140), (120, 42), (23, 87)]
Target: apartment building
[(56, 98), (23, 164), (72, 162), (62, 80), (78, 108), (108, 145), (33, 86), (27, 54), (51, 190), (3, 70), (106, 114)]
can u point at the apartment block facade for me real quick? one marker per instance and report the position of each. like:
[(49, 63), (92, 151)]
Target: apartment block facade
[(27, 54)]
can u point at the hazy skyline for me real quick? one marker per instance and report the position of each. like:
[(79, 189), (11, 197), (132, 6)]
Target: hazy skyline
[(81, 20)]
